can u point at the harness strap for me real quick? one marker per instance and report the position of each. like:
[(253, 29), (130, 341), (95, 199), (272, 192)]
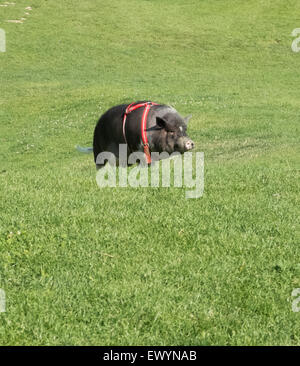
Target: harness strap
[(127, 111), (130, 109)]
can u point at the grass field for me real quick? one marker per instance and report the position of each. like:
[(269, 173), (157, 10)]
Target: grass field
[(82, 265)]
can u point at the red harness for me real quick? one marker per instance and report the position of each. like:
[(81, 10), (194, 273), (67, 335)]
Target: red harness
[(132, 108)]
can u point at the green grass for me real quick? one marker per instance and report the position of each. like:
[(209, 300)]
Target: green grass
[(87, 266)]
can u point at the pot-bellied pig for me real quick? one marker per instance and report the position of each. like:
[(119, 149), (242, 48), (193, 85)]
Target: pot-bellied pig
[(144, 126)]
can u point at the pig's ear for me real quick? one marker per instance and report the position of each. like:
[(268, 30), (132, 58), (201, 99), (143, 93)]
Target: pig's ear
[(187, 118), (162, 123)]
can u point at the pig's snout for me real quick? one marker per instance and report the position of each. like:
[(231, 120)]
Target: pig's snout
[(184, 144), (189, 145)]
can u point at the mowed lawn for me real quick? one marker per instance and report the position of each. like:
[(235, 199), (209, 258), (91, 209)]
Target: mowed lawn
[(82, 265)]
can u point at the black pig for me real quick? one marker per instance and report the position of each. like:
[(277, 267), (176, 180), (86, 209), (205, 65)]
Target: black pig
[(165, 129)]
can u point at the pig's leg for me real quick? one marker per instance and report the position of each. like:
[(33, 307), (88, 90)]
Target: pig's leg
[(112, 148)]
